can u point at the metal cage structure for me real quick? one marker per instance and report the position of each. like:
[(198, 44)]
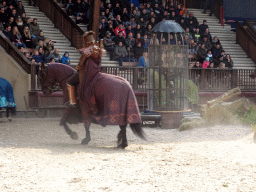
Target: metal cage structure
[(168, 77)]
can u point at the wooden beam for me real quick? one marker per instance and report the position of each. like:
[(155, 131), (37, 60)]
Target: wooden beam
[(94, 17)]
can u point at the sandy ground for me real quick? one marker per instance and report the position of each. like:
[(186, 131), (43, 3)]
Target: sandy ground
[(37, 155)]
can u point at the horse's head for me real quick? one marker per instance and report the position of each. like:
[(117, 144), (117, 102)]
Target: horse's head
[(47, 79)]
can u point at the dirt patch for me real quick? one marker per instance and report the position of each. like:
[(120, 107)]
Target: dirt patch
[(37, 155)]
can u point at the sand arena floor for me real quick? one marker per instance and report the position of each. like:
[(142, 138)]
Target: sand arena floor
[(37, 155)]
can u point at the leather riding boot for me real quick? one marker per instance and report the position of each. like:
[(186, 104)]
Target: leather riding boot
[(72, 97)]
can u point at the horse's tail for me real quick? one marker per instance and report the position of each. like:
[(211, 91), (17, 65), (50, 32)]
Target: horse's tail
[(137, 130)]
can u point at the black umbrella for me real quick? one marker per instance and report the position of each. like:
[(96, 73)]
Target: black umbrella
[(168, 26)]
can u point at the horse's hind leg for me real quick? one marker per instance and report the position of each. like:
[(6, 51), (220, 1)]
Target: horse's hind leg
[(123, 136), (72, 134), (87, 139)]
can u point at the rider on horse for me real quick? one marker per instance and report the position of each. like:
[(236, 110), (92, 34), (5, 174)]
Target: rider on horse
[(91, 49)]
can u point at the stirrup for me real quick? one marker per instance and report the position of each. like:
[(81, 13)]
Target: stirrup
[(70, 106)]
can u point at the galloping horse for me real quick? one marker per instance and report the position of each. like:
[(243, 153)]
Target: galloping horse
[(103, 98)]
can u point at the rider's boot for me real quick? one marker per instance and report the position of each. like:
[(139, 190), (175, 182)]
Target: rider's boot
[(72, 97)]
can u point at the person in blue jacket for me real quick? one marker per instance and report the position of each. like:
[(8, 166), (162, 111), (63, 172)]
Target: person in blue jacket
[(65, 58), (6, 97), (143, 60)]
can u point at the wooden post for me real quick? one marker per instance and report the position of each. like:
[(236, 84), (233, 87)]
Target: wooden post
[(135, 78), (94, 17), (33, 77)]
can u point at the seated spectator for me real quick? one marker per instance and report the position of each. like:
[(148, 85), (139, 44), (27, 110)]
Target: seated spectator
[(172, 40), (34, 28), (228, 61), (104, 23), (117, 10), (154, 40), (52, 61), (130, 55), (138, 51), (188, 33), (207, 34), (27, 55), (109, 15), (209, 53), (142, 23), (102, 31), (17, 38), (109, 44), (130, 41), (144, 15), (79, 11), (19, 24), (138, 30), (118, 21), (125, 16), (4, 5), (191, 26), (197, 35), (120, 53), (42, 54), (183, 24), (65, 58), (12, 22), (138, 39), (55, 56), (27, 22), (23, 17), (40, 44), (111, 30), (8, 33), (206, 63), (207, 43), (216, 52), (132, 23), (173, 17), (48, 46), (37, 57), (39, 37), (218, 61), (202, 27), (222, 65), (70, 7), (129, 30), (120, 28), (3, 16), (192, 47), (146, 43), (149, 9), (152, 22), (119, 38), (149, 31), (13, 14), (216, 41), (143, 60), (201, 53), (193, 18)]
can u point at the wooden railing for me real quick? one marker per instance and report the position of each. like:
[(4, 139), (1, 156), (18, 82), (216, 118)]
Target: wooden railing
[(218, 5), (62, 21), (207, 80), (245, 39), (15, 53)]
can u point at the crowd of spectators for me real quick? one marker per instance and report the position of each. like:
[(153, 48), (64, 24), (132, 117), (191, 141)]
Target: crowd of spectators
[(26, 34), (131, 24)]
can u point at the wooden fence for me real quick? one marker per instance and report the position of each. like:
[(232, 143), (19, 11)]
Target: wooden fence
[(246, 38)]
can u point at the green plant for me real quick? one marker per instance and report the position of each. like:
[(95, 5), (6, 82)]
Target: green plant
[(249, 117)]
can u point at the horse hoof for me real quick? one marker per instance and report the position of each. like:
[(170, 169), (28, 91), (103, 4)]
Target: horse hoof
[(122, 146), (74, 135), (85, 141)]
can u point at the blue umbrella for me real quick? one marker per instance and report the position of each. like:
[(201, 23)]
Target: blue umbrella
[(168, 26)]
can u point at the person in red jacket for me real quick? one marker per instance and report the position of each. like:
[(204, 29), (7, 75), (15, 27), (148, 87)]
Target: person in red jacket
[(120, 28)]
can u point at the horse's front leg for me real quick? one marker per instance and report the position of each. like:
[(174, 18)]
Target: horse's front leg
[(71, 133), (123, 136), (87, 138)]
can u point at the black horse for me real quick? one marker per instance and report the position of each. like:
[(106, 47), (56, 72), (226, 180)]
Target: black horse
[(60, 73)]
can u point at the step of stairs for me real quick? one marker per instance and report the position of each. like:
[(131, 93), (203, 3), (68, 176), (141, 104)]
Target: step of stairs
[(227, 39), (62, 43)]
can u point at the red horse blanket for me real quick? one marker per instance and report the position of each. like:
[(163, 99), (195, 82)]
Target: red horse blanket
[(109, 99)]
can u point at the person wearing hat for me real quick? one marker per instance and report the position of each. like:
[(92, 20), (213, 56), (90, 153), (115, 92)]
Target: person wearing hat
[(109, 44), (202, 27), (90, 50)]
